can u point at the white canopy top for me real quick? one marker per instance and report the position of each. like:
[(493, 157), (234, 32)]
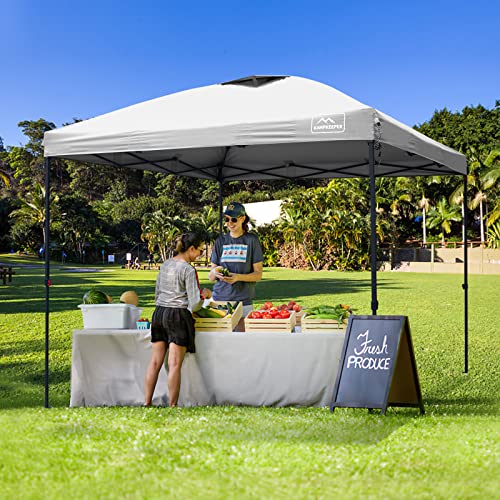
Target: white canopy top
[(260, 127)]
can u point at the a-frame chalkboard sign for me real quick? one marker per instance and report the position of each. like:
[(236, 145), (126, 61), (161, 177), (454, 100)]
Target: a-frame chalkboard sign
[(377, 367)]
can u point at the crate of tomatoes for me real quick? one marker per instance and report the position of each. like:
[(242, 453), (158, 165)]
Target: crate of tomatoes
[(271, 318)]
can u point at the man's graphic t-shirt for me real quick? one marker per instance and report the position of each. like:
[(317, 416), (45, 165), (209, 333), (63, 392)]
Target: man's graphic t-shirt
[(238, 255)]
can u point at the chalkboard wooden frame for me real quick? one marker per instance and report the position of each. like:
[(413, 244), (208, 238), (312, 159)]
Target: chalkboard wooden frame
[(394, 379)]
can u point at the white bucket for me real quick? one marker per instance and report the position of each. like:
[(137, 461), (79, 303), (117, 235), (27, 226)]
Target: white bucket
[(110, 316)]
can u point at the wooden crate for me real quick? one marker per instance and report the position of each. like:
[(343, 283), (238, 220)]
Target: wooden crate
[(298, 316), (321, 325), (219, 324), (271, 325)]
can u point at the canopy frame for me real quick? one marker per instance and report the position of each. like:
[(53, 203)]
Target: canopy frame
[(417, 154)]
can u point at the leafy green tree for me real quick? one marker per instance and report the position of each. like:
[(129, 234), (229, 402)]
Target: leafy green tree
[(482, 177), (442, 215), (32, 210), (474, 127), (489, 180), (206, 222), (79, 227), (159, 230), (494, 235), (27, 162), (4, 175)]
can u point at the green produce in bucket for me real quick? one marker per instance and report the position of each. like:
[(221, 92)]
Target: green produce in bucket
[(95, 297)]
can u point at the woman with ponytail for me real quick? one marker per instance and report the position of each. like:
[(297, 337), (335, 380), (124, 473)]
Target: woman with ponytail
[(177, 295)]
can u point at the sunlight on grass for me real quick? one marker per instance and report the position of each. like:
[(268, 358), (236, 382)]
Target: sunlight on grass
[(239, 452)]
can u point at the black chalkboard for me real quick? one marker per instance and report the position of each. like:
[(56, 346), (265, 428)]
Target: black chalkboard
[(377, 367)]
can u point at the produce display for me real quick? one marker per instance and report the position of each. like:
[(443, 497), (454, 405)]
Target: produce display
[(143, 324), (218, 316), (270, 311), (339, 313), (213, 310), (96, 297), (129, 297)]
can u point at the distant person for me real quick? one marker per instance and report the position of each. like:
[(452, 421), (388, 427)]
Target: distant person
[(63, 257), (150, 260), (137, 263), (177, 295)]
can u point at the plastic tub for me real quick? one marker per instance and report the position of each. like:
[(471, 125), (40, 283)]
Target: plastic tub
[(110, 316)]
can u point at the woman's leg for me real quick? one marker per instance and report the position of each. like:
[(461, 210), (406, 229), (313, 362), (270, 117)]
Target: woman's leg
[(175, 357), (155, 364)]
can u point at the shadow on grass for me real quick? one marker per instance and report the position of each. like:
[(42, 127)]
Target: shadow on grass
[(462, 406), (284, 289), (26, 389), (66, 296), (27, 295)]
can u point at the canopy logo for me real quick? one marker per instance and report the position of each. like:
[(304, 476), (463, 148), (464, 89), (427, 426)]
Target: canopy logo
[(328, 124)]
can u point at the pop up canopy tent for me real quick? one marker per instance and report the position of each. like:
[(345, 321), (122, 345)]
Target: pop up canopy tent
[(259, 127)]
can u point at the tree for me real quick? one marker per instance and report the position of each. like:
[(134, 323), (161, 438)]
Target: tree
[(424, 205), (32, 208), (474, 127), (207, 223), (27, 163), (159, 230), (442, 215), (489, 180), (482, 176), (79, 226), (4, 173)]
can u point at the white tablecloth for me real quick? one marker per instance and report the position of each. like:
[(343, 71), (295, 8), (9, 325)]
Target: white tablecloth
[(255, 369)]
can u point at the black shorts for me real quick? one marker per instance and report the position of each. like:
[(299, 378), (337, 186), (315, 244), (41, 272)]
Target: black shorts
[(172, 324)]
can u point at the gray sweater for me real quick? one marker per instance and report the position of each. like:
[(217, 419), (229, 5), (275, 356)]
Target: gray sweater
[(177, 286)]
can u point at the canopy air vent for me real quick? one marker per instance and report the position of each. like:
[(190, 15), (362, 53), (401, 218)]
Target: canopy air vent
[(254, 80)]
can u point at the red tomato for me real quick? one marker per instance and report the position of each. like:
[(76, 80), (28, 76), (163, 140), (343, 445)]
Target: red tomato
[(296, 308), (291, 304), (283, 306), (256, 315), (284, 314), (266, 315), (268, 305), (274, 313)]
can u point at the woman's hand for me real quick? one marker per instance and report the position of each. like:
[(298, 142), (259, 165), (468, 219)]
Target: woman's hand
[(206, 293)]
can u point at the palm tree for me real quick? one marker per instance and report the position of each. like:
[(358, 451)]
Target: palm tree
[(290, 223), (482, 177), (442, 215), (33, 208), (160, 230), (489, 180), (208, 222), (424, 205)]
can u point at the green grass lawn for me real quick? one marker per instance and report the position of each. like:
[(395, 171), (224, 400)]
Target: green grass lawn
[(233, 452)]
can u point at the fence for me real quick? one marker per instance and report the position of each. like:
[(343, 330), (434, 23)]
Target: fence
[(437, 259)]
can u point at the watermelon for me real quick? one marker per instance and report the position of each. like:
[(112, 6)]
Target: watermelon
[(95, 297)]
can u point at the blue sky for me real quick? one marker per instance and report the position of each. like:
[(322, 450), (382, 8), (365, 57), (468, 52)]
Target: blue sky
[(63, 59)]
